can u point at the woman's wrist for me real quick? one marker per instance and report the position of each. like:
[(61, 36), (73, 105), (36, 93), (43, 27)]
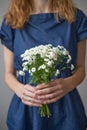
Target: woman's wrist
[(71, 83), (19, 90), (77, 77)]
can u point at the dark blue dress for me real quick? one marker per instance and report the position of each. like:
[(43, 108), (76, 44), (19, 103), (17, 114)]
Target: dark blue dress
[(68, 113)]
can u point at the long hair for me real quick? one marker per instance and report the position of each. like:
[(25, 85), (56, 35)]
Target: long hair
[(19, 11)]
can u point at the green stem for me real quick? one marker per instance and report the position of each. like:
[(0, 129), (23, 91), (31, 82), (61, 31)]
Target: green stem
[(44, 111)]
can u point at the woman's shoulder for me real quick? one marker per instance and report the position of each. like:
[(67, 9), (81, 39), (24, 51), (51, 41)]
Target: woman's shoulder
[(80, 13), (81, 24), (5, 26), (6, 35), (80, 17)]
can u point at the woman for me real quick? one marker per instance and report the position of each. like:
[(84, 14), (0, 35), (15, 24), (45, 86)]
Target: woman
[(29, 23)]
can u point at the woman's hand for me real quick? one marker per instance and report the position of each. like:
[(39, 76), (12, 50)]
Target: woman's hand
[(54, 90), (28, 96)]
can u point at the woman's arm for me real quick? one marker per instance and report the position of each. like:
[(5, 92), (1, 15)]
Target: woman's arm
[(79, 74), (56, 89), (25, 92), (10, 78)]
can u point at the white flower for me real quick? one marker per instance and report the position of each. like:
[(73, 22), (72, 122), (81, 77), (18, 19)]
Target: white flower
[(51, 55), (46, 59), (33, 69), (57, 72), (39, 68), (30, 72), (31, 60), (46, 70), (25, 68), (26, 58), (25, 63), (43, 54), (72, 66), (49, 45), (69, 59), (21, 73), (60, 47), (43, 66), (65, 52), (25, 53), (49, 63)]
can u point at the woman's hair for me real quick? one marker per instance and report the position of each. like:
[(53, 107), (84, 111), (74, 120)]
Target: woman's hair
[(19, 11)]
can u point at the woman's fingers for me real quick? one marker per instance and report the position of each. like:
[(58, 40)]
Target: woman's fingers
[(48, 90), (52, 86), (29, 103), (48, 85), (50, 96), (28, 93), (31, 98), (28, 96), (48, 101), (29, 88)]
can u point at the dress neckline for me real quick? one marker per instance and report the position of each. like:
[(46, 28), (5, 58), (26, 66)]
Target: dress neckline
[(44, 16), (43, 13)]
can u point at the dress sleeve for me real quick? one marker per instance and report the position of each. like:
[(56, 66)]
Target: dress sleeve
[(81, 25), (6, 36)]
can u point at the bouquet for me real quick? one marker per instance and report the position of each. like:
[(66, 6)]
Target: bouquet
[(44, 63)]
